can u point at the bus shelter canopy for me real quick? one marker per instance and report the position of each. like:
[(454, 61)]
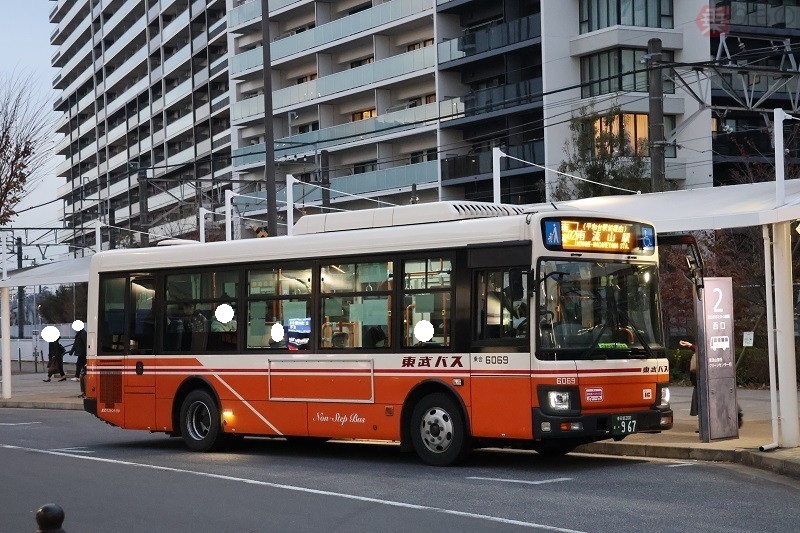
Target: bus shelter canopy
[(67, 271), (732, 206)]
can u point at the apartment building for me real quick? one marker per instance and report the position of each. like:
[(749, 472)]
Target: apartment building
[(143, 94), (382, 101)]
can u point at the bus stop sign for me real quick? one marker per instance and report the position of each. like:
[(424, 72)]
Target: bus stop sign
[(716, 367)]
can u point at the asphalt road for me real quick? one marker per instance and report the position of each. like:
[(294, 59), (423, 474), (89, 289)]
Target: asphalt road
[(110, 480)]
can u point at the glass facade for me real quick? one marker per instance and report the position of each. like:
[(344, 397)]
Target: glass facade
[(599, 14), (620, 69)]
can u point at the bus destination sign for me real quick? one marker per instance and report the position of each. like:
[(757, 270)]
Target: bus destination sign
[(598, 235)]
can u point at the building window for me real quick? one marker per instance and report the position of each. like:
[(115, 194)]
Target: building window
[(363, 115), (307, 78), (361, 62), (423, 155), (615, 70), (359, 8), (598, 14), (633, 127), (366, 166), (305, 128), (421, 44)]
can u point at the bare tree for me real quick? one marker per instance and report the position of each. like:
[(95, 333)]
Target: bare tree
[(25, 139)]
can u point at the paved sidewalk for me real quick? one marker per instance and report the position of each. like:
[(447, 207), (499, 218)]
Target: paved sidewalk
[(681, 442)]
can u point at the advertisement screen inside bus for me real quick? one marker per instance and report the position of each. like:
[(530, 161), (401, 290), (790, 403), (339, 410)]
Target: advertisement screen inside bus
[(598, 235)]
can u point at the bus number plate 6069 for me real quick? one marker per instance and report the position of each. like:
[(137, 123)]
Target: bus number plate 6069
[(623, 424)]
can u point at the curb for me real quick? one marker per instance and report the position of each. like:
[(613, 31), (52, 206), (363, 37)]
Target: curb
[(745, 457), (68, 406)]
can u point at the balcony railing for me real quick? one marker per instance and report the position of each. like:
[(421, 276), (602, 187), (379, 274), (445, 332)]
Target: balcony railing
[(462, 166), (515, 31), (493, 99), (402, 64)]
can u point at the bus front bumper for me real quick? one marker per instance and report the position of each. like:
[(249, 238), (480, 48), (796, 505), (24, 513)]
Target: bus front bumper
[(597, 426)]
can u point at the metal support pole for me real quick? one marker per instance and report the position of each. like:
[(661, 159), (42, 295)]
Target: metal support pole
[(228, 206), (5, 331), (784, 325), (780, 165), (656, 119), (773, 383), (98, 235), (496, 155), (269, 136), (201, 223), (290, 181), (20, 295)]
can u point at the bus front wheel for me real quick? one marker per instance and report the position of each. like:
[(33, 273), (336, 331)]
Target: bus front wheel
[(201, 426), (438, 430)]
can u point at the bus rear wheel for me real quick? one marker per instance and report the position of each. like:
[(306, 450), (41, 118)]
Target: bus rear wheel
[(201, 426), (438, 430)]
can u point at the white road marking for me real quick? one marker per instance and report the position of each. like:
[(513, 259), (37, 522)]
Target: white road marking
[(74, 449), (680, 464), (526, 482), (306, 490), (18, 423)]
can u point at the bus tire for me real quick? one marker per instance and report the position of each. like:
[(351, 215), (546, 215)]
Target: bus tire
[(438, 430), (201, 423)]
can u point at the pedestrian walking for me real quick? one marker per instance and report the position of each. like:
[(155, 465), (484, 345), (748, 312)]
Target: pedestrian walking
[(55, 360), (79, 349)]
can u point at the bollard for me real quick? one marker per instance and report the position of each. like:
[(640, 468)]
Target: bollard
[(49, 518)]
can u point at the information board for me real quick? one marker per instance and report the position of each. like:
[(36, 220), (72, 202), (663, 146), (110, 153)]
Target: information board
[(717, 363)]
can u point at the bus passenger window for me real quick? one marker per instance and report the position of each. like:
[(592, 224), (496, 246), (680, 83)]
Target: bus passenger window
[(355, 304), (279, 308), (427, 302)]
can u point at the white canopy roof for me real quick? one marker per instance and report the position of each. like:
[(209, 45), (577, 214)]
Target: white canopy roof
[(732, 206), (67, 271)]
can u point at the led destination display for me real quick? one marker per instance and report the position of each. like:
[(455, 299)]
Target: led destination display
[(598, 235)]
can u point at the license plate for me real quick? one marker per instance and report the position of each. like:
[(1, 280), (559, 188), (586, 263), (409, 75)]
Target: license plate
[(623, 424)]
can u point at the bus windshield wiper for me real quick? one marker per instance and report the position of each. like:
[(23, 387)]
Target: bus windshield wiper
[(595, 343), (638, 334)]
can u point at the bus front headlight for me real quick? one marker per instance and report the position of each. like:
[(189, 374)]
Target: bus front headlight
[(559, 400)]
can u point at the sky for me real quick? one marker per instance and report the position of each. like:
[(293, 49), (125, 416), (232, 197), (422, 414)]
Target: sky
[(25, 43)]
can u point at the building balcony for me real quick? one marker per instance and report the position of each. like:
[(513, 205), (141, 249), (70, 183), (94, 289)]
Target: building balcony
[(491, 39), (462, 168), (490, 100), (349, 133), (405, 65)]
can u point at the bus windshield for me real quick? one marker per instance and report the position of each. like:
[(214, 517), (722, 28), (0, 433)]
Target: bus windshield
[(597, 310)]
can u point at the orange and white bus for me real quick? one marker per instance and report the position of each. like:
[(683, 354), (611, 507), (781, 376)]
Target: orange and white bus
[(443, 326)]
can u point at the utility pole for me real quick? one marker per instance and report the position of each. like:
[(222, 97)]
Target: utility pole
[(269, 137), (656, 119), (325, 180), (20, 295), (144, 236)]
